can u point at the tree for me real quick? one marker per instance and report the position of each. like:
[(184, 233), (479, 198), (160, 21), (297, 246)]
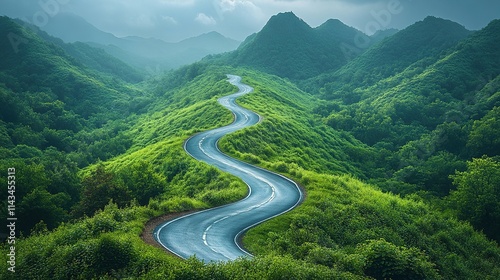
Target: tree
[(112, 254), (385, 260), (40, 205), (98, 189), (477, 198), (484, 138), (143, 181), (436, 171)]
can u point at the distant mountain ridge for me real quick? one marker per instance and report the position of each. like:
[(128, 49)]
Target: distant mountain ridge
[(74, 73), (137, 51)]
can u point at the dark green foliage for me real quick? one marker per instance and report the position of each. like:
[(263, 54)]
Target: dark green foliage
[(484, 137), (143, 182), (101, 61), (40, 205), (56, 115), (112, 254), (45, 191), (429, 111), (477, 198), (420, 41), (384, 260), (98, 189)]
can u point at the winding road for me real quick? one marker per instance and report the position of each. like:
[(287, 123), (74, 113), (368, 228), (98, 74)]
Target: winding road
[(213, 234)]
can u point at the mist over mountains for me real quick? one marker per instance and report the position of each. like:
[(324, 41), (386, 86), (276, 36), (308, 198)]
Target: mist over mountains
[(145, 53)]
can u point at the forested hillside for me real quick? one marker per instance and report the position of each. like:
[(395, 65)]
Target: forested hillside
[(396, 150), (421, 42), (150, 55), (57, 116), (428, 115)]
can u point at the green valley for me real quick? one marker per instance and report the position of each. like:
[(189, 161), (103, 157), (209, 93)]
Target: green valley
[(397, 151)]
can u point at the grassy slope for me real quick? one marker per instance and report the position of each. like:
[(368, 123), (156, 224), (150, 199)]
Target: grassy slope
[(291, 134), (159, 140)]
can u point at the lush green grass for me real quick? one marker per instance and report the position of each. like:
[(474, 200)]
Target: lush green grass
[(291, 133), (341, 214), (108, 246)]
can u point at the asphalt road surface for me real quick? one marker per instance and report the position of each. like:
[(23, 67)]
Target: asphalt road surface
[(213, 234)]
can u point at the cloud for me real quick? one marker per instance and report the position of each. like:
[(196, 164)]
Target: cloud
[(170, 20), (205, 20), (142, 21), (229, 6), (224, 6)]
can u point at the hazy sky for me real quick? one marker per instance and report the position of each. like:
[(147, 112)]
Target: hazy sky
[(173, 20)]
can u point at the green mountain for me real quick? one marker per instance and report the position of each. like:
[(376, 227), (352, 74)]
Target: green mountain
[(32, 64), (91, 57), (289, 47), (98, 156)]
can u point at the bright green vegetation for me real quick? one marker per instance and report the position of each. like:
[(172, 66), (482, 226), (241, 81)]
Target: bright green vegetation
[(79, 137), (350, 226), (288, 114), (97, 154), (108, 245)]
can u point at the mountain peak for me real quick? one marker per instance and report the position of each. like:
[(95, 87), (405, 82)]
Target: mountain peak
[(336, 30), (436, 22), (285, 16), (287, 21), (214, 35), (71, 28), (288, 47), (331, 23)]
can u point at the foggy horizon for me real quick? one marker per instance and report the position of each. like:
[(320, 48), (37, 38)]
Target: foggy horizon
[(176, 20)]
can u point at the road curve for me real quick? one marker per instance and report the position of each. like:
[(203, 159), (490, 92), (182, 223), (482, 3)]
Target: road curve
[(213, 234)]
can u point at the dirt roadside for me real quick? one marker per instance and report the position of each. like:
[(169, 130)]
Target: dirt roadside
[(147, 233)]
